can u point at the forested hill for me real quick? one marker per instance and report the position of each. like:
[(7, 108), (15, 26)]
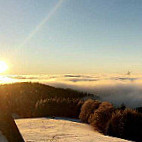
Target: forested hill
[(37, 90), (21, 98)]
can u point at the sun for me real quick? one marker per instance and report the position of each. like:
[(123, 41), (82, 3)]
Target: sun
[(3, 66)]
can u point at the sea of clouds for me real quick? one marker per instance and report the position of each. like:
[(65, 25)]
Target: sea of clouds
[(117, 89)]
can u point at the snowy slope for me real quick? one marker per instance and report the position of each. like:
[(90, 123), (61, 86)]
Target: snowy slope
[(59, 130)]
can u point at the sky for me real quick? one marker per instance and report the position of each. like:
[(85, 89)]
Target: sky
[(71, 36)]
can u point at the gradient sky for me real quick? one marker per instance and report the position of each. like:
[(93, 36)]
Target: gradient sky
[(71, 36)]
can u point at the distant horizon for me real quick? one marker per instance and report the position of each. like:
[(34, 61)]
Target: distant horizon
[(111, 74)]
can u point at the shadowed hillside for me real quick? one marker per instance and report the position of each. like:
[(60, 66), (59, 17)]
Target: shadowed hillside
[(24, 98)]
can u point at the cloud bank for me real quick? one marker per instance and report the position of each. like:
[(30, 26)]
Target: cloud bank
[(117, 89)]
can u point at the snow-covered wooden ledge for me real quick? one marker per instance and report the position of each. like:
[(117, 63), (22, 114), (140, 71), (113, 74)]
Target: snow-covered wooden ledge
[(60, 130)]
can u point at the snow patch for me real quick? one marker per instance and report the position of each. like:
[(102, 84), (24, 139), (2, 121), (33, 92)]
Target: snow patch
[(2, 138)]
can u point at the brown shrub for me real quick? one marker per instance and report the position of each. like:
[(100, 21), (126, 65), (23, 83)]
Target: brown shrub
[(101, 117), (87, 109), (126, 124), (95, 106)]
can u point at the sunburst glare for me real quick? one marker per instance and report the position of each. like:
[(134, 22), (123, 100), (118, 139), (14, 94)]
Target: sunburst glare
[(3, 66)]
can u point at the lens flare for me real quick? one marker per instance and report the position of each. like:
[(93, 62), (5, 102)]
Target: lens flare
[(42, 23)]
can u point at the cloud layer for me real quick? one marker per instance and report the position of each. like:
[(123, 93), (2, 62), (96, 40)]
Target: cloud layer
[(117, 89)]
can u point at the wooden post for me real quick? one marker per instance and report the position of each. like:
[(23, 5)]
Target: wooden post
[(8, 126)]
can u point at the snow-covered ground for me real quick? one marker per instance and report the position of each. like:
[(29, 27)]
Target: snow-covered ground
[(2, 138), (60, 130)]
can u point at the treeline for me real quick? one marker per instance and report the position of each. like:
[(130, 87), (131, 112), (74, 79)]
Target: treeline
[(57, 107), (119, 122), (27, 99)]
